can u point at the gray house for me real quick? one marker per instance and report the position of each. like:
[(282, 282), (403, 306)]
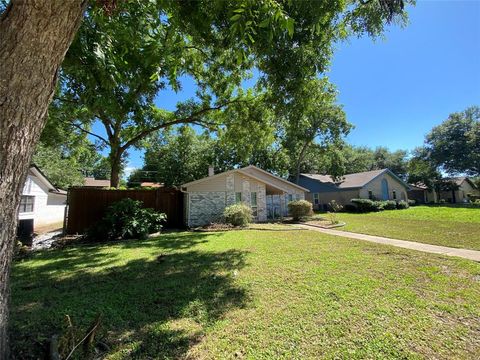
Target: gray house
[(267, 194), (377, 184)]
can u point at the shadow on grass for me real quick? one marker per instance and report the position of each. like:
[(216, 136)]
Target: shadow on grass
[(160, 305)]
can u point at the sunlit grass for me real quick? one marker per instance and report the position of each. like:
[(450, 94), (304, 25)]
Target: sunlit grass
[(251, 294), (447, 226)]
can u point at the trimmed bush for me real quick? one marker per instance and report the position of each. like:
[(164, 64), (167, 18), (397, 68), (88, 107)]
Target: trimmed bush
[(126, 219), (364, 205), (238, 214), (299, 209), (402, 205), (390, 205), (412, 202)]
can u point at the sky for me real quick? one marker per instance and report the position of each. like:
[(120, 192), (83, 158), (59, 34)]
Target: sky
[(394, 90)]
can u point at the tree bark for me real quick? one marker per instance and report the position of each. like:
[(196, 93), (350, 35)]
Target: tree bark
[(115, 161), (35, 35)]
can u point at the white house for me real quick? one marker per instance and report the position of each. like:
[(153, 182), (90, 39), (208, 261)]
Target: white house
[(42, 204)]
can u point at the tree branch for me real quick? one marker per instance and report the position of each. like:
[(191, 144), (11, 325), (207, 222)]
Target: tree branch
[(88, 132), (192, 118)]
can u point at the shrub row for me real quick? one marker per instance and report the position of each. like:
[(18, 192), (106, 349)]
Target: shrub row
[(367, 205)]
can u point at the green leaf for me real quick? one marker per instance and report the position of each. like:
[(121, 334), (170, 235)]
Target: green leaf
[(290, 26), (265, 23)]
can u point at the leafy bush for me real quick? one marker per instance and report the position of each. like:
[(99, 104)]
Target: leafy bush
[(299, 209), (412, 202), (126, 219), (390, 205), (238, 214), (476, 203), (364, 205), (336, 207), (441, 201), (402, 205), (379, 205)]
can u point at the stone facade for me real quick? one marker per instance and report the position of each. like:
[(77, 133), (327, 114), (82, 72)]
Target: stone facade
[(246, 193), (206, 200), (230, 185), (262, 202), (205, 207)]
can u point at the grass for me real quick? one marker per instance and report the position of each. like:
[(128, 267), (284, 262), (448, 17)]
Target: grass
[(251, 294), (457, 227)]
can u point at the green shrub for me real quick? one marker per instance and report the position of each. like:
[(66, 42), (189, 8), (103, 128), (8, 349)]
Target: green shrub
[(402, 204), (364, 205), (126, 219), (390, 205), (379, 205), (238, 214), (441, 201), (412, 202), (299, 209), (336, 207)]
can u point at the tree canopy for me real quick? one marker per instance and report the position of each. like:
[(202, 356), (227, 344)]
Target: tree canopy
[(454, 145), (119, 65)]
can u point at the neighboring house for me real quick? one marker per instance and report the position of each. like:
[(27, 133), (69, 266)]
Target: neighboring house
[(95, 183), (420, 193), (267, 194), (376, 185), (464, 188), (151, 184), (41, 203)]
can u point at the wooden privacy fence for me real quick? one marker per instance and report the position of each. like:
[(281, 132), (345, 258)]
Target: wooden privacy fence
[(86, 206)]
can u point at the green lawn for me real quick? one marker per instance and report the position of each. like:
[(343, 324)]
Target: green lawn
[(251, 294), (439, 225)]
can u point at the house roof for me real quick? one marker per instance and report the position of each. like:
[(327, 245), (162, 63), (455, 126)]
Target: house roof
[(460, 179), (35, 171), (151, 184), (353, 181), (92, 182), (250, 172)]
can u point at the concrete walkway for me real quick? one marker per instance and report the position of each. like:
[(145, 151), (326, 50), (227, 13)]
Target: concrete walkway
[(434, 249)]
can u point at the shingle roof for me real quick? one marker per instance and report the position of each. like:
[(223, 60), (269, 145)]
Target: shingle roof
[(348, 181), (460, 179), (91, 182)]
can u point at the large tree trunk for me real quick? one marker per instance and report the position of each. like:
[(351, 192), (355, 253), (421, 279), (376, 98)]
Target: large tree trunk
[(35, 35), (116, 166)]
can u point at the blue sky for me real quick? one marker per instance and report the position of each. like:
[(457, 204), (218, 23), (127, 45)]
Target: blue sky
[(394, 90)]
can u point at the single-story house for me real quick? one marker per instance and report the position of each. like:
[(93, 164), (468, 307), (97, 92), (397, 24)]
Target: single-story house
[(41, 204), (460, 195), (267, 194), (376, 185), (461, 192)]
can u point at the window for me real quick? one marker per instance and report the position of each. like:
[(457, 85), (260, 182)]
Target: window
[(238, 197), (297, 197), (290, 197), (370, 194), (316, 198), (394, 193), (253, 203), (26, 203)]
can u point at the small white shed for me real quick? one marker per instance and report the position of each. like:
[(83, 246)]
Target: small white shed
[(42, 204)]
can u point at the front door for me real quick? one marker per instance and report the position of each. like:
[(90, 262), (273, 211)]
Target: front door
[(384, 189)]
